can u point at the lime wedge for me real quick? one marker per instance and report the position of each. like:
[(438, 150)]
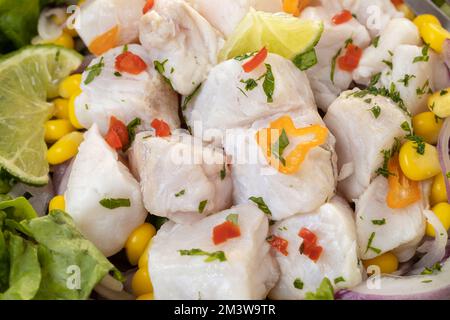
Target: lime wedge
[(280, 33), (27, 78)]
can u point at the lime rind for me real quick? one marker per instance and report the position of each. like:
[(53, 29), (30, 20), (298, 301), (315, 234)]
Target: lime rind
[(28, 77), (281, 33)]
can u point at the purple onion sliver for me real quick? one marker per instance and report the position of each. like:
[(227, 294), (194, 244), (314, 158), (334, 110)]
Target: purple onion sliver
[(444, 158)]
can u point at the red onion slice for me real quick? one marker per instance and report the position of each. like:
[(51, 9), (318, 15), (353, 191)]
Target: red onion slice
[(435, 250), (444, 155)]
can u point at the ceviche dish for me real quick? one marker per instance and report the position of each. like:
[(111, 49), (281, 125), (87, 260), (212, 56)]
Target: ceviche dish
[(224, 150)]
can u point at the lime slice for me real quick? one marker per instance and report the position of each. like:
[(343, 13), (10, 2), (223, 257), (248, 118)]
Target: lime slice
[(280, 33), (27, 78)]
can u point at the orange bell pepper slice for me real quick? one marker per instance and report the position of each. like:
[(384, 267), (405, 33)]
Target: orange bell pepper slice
[(105, 41), (402, 191), (295, 7), (282, 129)]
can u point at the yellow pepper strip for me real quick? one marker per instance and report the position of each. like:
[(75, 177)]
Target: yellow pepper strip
[(283, 128), (105, 41), (294, 7)]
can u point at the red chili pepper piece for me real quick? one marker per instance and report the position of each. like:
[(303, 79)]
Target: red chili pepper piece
[(307, 235), (130, 63), (342, 17), (117, 136), (315, 252), (225, 231), (279, 244), (309, 246), (148, 6), (254, 62), (162, 128), (397, 2), (350, 60)]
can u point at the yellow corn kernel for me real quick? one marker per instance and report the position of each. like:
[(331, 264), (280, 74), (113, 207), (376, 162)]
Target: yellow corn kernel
[(64, 40), (61, 108), (70, 86), (439, 103), (416, 166), (438, 190), (387, 262), (65, 148), (138, 241), (56, 129), (147, 296), (71, 31), (141, 284), (427, 125), (434, 35), (442, 211), (72, 113), (426, 18), (143, 260), (57, 203)]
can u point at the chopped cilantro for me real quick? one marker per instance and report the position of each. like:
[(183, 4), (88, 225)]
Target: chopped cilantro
[(202, 205), (110, 203), (259, 201), (94, 71), (181, 193), (217, 255)]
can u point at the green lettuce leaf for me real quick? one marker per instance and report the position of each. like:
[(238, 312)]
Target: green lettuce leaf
[(18, 21), (24, 270), (18, 209), (61, 247)]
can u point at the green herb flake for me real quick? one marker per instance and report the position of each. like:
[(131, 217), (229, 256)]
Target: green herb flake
[(369, 245), (111, 203), (424, 57), (117, 74), (94, 71), (348, 42), (298, 284), (437, 267), (420, 144), (269, 83), (202, 205), (223, 172), (131, 128), (339, 279), (245, 56), (424, 89), (161, 69), (250, 84), (190, 97), (279, 146), (443, 93), (233, 218), (405, 80), (376, 111), (306, 60), (333, 65), (217, 255), (388, 63), (259, 201), (375, 41), (180, 193), (379, 222)]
